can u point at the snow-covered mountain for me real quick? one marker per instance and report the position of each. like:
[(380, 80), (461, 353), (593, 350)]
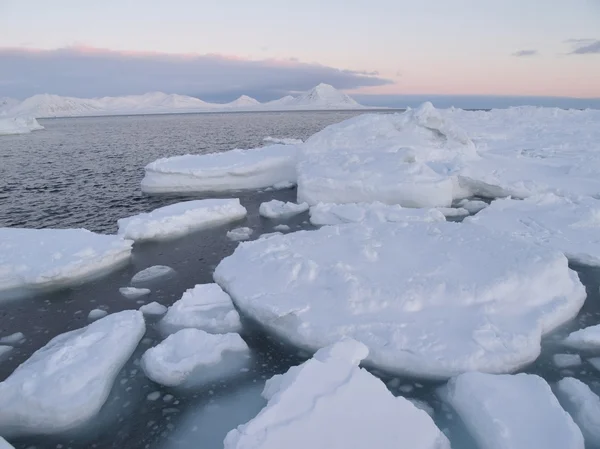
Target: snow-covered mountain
[(7, 103), (322, 96)]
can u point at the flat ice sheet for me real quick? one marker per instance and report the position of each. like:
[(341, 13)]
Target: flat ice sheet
[(584, 339), (32, 259), (570, 225), (205, 307), (276, 209), (191, 353), (216, 172), (511, 412), (321, 405), (426, 298), (179, 219), (333, 214), (583, 405), (66, 382)]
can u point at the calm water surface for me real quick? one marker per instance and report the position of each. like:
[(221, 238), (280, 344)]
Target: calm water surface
[(85, 172)]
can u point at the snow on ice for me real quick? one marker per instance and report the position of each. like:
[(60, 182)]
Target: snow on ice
[(216, 172), (281, 210), (133, 292), (205, 307), (193, 356), (333, 214), (321, 405), (511, 412), (426, 298), (148, 275), (18, 125), (583, 405), (65, 383), (239, 234), (52, 258), (584, 339), (181, 218)]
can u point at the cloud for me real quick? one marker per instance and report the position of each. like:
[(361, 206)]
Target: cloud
[(90, 72), (525, 53), (584, 46)]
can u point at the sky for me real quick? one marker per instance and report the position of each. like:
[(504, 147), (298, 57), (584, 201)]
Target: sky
[(380, 51)]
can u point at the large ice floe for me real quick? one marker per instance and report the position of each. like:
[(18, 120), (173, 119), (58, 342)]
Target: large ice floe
[(181, 218), (428, 299), (333, 214), (587, 339), (191, 357), (50, 258), (583, 405), (329, 402), (66, 382), (230, 170), (4, 444), (511, 412), (18, 125), (571, 225), (205, 307)]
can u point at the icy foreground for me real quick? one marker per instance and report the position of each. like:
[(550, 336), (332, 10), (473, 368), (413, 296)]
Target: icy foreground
[(584, 339), (570, 225), (281, 210), (333, 214), (180, 219), (4, 444), (52, 258), (583, 405), (321, 404), (216, 172), (205, 307), (426, 298), (18, 125), (65, 383), (511, 412), (194, 356)]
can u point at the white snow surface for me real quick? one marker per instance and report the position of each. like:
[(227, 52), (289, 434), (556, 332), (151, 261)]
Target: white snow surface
[(276, 209), (53, 258), (320, 405), (511, 412), (283, 140), (18, 125), (230, 170), (5, 445), (133, 292), (333, 214), (426, 298), (566, 360), (239, 234), (571, 225), (66, 382), (153, 308), (147, 275), (584, 339), (205, 307), (583, 405), (179, 219), (173, 361)]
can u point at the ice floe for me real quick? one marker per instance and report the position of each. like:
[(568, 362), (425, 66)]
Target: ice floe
[(205, 307), (32, 259), (4, 350), (134, 292), (451, 212), (239, 234), (566, 360), (321, 405), (65, 383), (18, 125), (583, 405), (283, 140), (96, 314), (332, 214), (281, 228), (511, 412), (571, 225), (5, 445), (193, 356), (595, 362), (584, 339), (473, 206), (426, 298), (179, 219), (281, 210), (153, 308), (13, 339), (230, 170), (148, 275)]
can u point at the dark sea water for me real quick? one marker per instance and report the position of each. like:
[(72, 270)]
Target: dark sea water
[(86, 172)]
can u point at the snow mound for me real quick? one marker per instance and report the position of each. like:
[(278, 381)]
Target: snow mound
[(192, 352), (511, 412), (570, 225), (181, 218), (584, 339), (426, 298), (149, 274), (244, 102), (65, 383), (18, 125), (283, 140), (153, 308), (320, 405), (323, 96), (239, 234), (133, 292), (566, 360), (583, 405), (333, 214), (217, 172), (205, 307), (276, 209), (54, 258)]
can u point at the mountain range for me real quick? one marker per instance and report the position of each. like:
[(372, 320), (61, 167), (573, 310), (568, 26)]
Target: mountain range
[(322, 96)]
